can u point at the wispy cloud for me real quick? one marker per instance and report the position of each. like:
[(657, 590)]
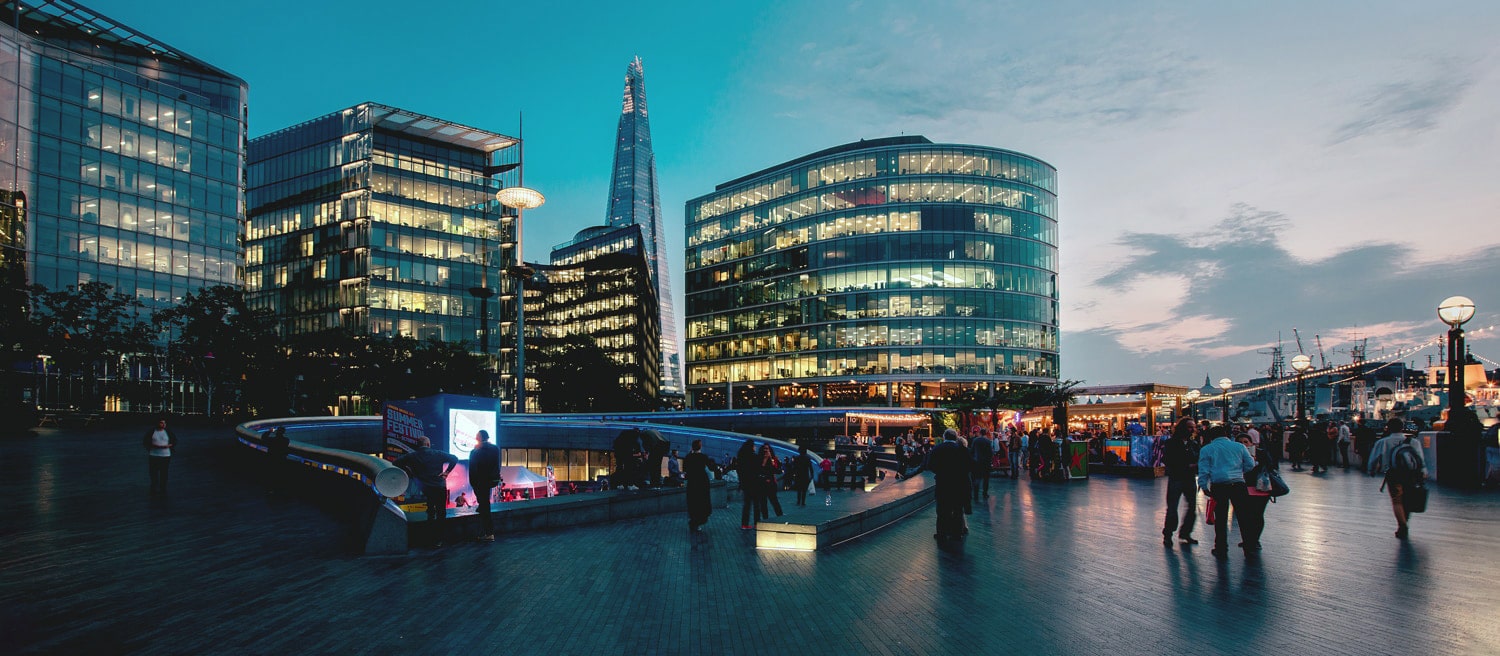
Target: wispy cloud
[(1231, 287), (1412, 105), (949, 63)]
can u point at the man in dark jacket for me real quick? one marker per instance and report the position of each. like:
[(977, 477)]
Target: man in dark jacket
[(628, 455), (1179, 455), (484, 475), (952, 466), (1364, 440), (802, 474), (982, 450), (429, 467)]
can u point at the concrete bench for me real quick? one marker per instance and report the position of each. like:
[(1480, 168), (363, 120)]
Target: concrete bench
[(817, 526)]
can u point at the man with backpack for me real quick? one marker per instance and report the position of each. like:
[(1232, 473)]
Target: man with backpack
[(1399, 457)]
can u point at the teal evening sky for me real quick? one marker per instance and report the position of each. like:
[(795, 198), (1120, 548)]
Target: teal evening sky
[(1226, 171)]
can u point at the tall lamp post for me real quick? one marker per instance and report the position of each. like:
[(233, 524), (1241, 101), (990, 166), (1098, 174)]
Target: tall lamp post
[(1192, 398), (1300, 364), (1456, 311), (1224, 384), (521, 199)]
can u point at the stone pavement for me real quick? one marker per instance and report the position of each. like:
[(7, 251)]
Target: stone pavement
[(89, 564)]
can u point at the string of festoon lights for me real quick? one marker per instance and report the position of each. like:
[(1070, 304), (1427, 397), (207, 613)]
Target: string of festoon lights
[(1364, 367)]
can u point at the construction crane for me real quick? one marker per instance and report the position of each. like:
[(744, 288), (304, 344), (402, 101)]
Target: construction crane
[(1321, 358), (1300, 350)]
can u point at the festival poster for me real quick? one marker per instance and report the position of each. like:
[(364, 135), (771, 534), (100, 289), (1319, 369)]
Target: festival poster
[(403, 430)]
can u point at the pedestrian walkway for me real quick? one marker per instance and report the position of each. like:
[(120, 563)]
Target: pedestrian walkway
[(89, 563)]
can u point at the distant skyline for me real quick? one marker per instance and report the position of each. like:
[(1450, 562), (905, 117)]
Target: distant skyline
[(1225, 172)]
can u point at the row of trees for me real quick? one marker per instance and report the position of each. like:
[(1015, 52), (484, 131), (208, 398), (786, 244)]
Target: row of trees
[(969, 404), (105, 344)]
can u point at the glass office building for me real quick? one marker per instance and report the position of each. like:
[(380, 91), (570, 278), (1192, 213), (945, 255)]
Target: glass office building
[(381, 220), (892, 272), (633, 200), (599, 287), (128, 151), (122, 163)]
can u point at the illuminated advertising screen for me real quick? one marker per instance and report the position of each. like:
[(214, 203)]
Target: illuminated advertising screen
[(463, 427)]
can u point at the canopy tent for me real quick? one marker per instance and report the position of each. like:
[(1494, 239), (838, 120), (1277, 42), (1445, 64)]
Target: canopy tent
[(520, 478)]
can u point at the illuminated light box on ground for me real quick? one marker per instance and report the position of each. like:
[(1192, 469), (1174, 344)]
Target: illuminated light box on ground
[(451, 421)]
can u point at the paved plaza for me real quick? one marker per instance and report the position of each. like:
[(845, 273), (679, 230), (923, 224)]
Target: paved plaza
[(90, 564)]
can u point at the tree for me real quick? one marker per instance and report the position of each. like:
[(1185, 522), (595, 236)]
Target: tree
[(214, 338), (1012, 397), (88, 329), (576, 375)]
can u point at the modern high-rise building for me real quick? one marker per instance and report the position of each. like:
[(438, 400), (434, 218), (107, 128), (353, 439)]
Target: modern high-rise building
[(892, 272), (123, 160), (633, 200), (382, 220), (599, 288)]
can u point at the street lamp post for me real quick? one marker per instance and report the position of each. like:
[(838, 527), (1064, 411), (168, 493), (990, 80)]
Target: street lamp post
[(1300, 364), (1456, 311), (521, 199), (1224, 384), (1192, 397)]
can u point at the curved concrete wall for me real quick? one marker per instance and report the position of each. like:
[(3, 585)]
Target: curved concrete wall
[(348, 442)]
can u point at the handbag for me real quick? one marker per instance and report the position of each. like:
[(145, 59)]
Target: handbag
[(1208, 511), (1414, 497), (1275, 486)]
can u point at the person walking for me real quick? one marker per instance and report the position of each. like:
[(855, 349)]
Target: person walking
[(1179, 455), (695, 471), (982, 450), (1296, 444), (1015, 450), (802, 474), (484, 475), (430, 467), (1398, 457), (770, 466), (1320, 446), (1341, 442), (747, 468), (1252, 513), (1364, 441), (1222, 464), (159, 443), (952, 466)]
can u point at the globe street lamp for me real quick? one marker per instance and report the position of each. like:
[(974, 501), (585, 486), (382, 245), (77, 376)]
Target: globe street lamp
[(1192, 397), (1224, 384), (1300, 364), (1456, 311)]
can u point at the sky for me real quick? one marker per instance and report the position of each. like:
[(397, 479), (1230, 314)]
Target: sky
[(1227, 171)]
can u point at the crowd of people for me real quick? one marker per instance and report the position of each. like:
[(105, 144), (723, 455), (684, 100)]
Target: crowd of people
[(1234, 465)]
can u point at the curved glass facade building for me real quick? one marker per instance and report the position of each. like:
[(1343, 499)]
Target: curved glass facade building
[(892, 272)]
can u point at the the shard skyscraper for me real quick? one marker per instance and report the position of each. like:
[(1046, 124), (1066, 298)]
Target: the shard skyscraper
[(633, 200)]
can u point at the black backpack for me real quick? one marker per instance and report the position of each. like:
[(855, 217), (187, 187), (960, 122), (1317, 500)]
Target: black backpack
[(1405, 464)]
